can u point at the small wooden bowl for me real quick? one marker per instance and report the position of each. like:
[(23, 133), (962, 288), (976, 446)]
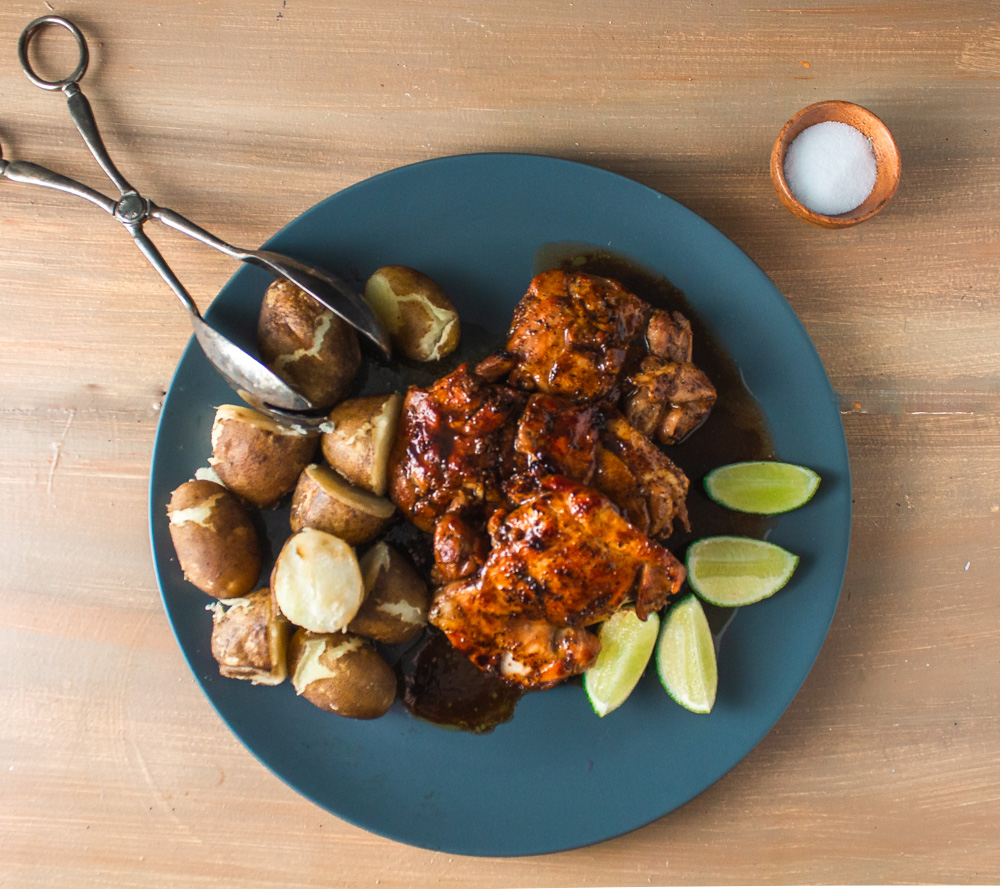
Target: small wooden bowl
[(887, 164)]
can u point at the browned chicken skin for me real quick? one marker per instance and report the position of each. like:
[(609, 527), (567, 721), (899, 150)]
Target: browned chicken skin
[(569, 489), (510, 641), (566, 548), (654, 480), (562, 559), (460, 549), (668, 335), (570, 334), (574, 335), (557, 436), (667, 400), (599, 447), (453, 447)]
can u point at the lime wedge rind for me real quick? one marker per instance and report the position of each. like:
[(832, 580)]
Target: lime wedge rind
[(734, 571), (685, 657), (761, 487), (627, 644)]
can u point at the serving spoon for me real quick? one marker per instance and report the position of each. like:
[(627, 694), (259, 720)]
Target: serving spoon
[(257, 384)]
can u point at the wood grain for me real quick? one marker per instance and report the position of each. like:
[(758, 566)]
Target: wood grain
[(114, 770)]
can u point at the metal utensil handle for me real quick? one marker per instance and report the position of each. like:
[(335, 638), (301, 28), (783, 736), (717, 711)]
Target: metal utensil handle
[(79, 108), (33, 174), (83, 117), (187, 227), (25, 39), (156, 259)]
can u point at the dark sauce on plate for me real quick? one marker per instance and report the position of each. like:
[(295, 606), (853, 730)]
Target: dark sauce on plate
[(439, 684)]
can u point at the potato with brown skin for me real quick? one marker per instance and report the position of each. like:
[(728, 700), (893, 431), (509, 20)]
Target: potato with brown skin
[(217, 546), (325, 501), (317, 582), (341, 673), (396, 597), (256, 457), (358, 437), (250, 638), (310, 348), (416, 313)]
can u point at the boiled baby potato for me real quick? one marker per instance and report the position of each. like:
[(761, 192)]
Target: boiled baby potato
[(323, 500), (358, 436), (317, 582), (256, 457), (396, 599), (217, 546), (416, 313), (342, 673), (250, 638), (310, 348)]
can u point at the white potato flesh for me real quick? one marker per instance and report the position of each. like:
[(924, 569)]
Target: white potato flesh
[(237, 413), (317, 581), (200, 514)]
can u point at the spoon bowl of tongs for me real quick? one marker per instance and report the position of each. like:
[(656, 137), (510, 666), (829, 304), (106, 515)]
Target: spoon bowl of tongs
[(256, 383)]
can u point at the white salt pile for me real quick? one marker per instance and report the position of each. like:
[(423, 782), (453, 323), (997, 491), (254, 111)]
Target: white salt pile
[(830, 167)]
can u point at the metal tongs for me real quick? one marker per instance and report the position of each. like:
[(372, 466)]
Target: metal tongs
[(255, 382)]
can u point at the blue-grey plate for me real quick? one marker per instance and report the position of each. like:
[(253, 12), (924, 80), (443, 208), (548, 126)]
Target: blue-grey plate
[(556, 776)]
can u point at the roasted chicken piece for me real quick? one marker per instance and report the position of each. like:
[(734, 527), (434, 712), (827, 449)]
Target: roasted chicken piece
[(576, 336), (563, 559), (669, 335), (556, 436), (510, 640), (453, 447), (598, 447), (460, 549), (654, 480), (569, 336), (567, 548), (668, 400)]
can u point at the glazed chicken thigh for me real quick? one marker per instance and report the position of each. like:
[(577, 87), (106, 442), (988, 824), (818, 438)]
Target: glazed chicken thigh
[(563, 559), (509, 640), (570, 336), (453, 448)]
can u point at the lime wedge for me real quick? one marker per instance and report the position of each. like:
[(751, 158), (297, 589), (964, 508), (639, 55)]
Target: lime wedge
[(732, 571), (626, 645), (685, 656), (761, 487)]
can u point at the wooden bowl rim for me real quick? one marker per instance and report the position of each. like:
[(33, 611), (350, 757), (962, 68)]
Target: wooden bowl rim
[(888, 164)]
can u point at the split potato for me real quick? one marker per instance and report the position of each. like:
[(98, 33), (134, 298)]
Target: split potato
[(250, 639), (256, 457), (317, 581), (217, 546), (342, 673), (358, 437), (323, 500), (314, 351), (396, 597), (416, 313)]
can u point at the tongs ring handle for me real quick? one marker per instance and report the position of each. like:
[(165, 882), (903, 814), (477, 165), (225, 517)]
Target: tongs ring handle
[(22, 52)]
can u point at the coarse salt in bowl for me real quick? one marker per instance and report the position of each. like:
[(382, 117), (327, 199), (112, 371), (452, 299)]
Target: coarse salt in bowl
[(835, 164)]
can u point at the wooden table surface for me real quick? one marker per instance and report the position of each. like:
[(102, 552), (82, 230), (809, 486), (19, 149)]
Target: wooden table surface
[(115, 770)]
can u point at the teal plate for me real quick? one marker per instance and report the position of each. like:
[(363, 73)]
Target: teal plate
[(555, 777)]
